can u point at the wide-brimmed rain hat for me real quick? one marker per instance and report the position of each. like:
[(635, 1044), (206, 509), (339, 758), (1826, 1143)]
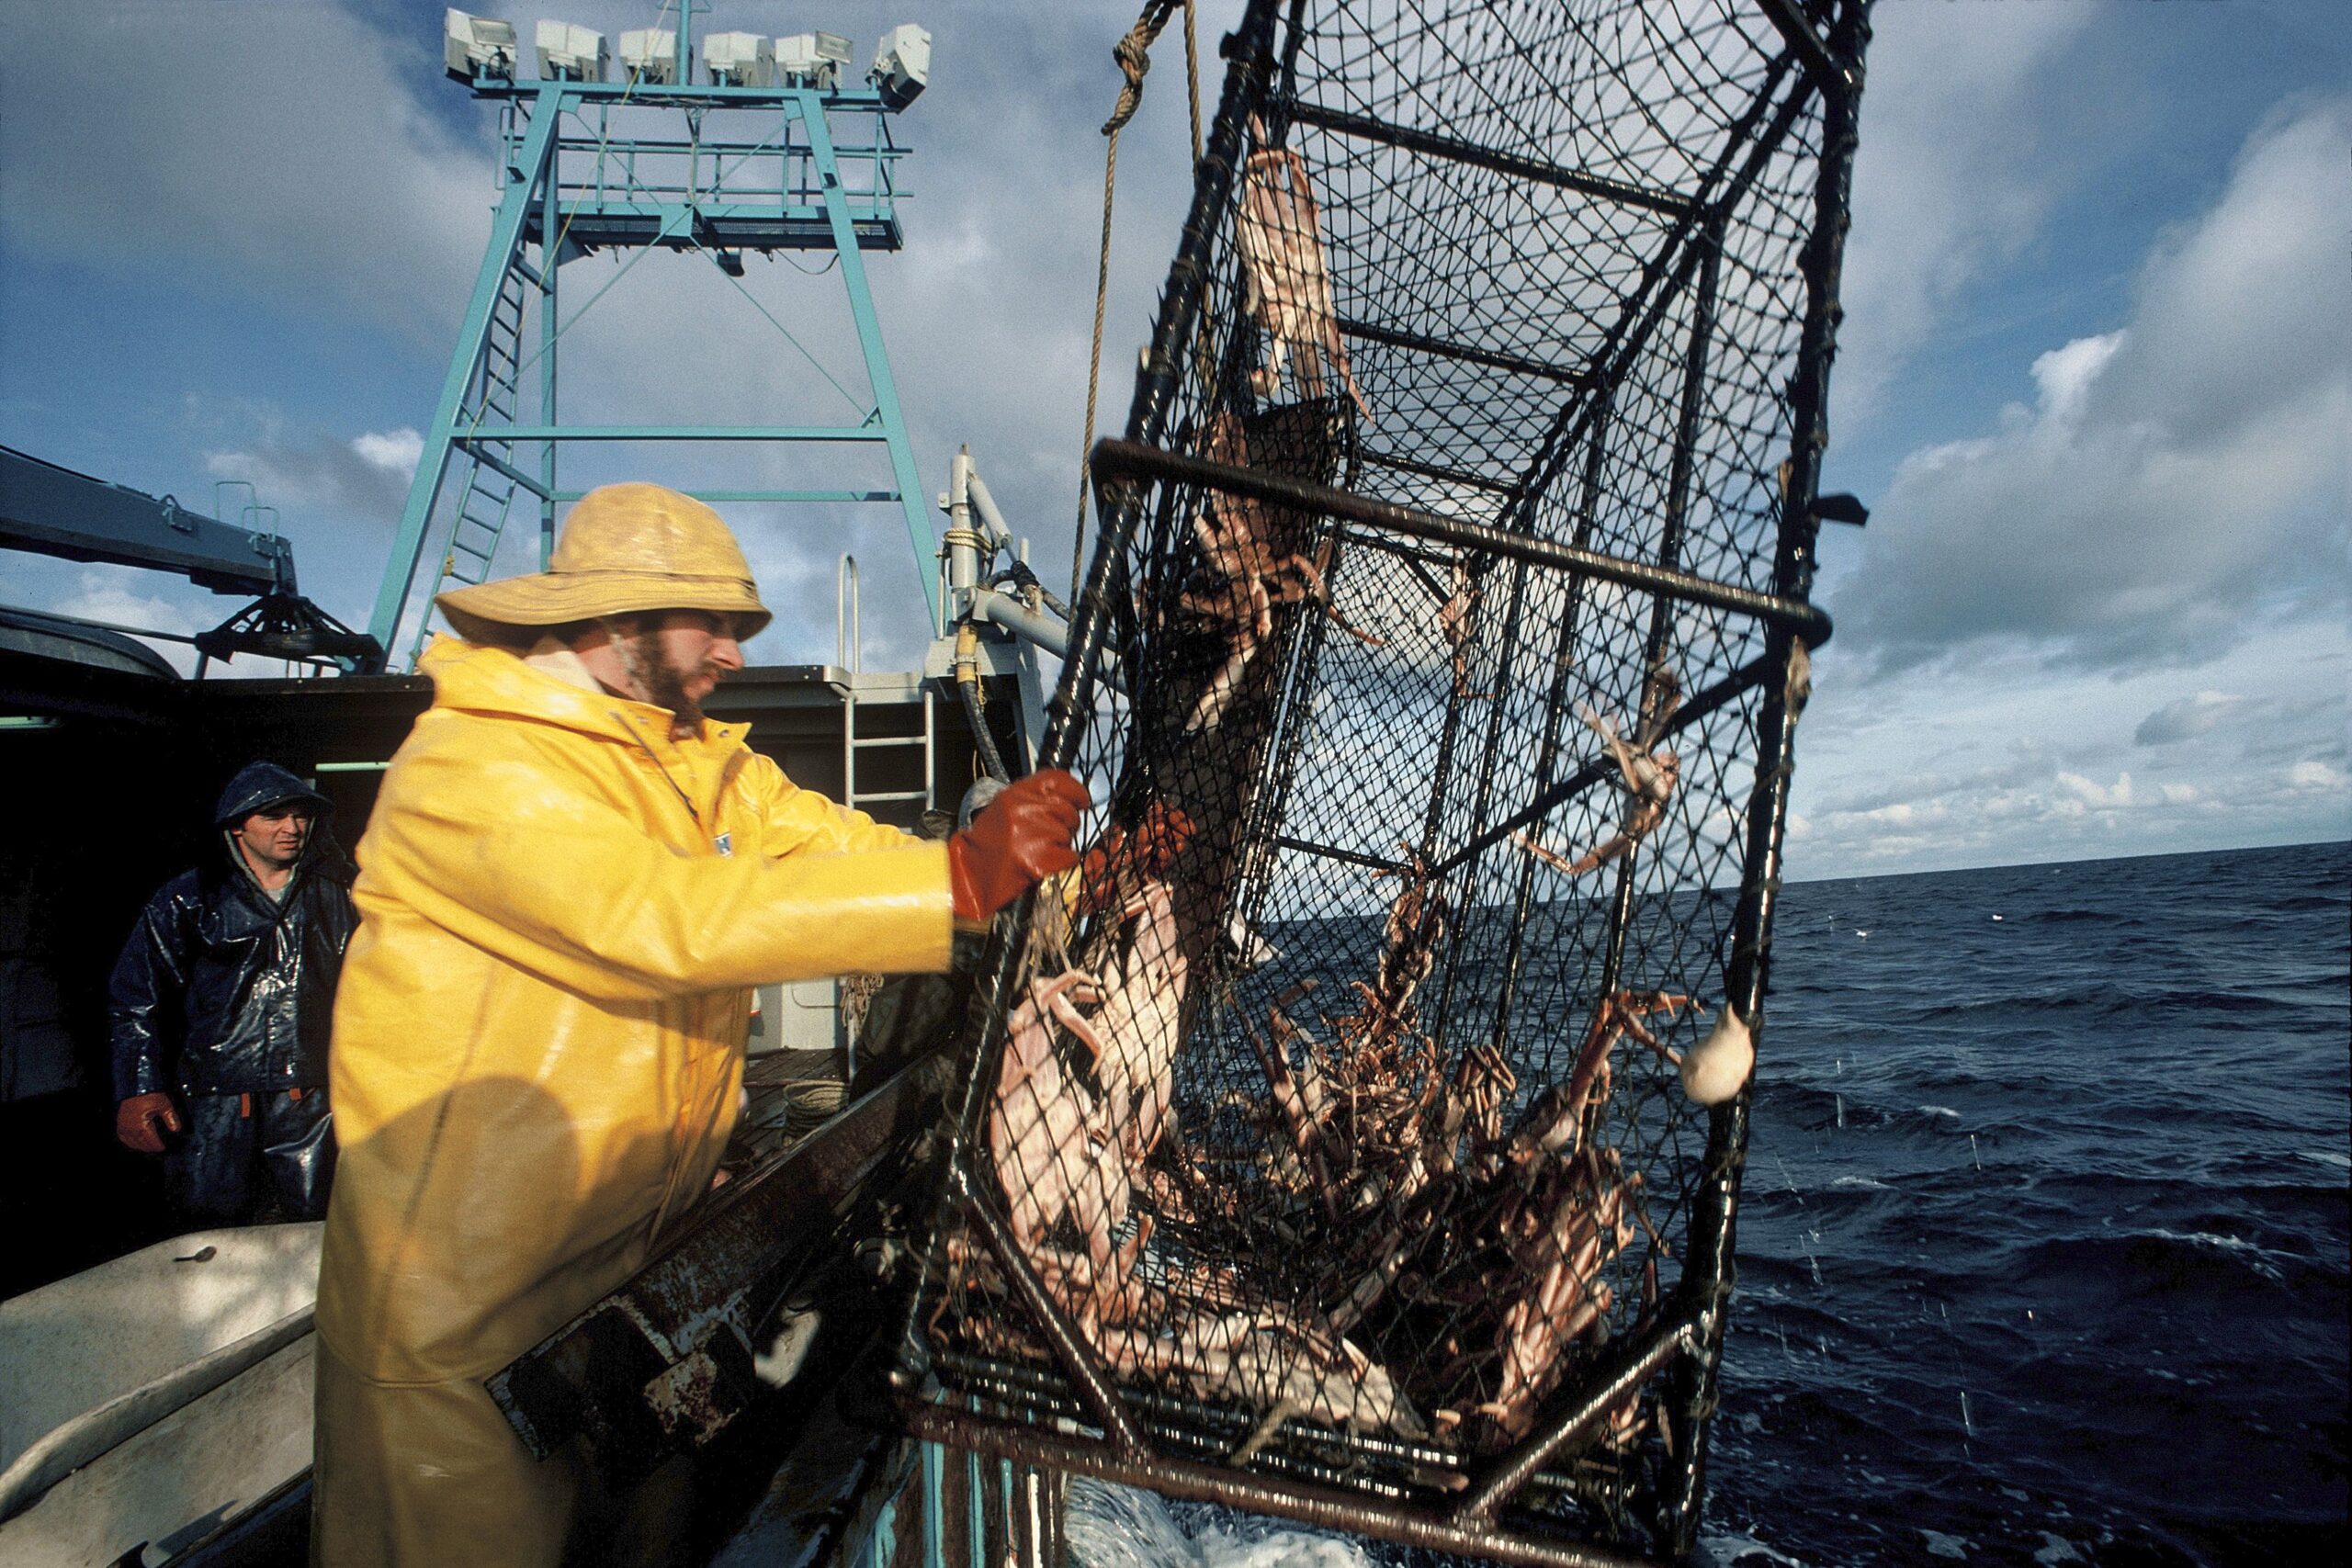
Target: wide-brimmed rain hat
[(624, 550)]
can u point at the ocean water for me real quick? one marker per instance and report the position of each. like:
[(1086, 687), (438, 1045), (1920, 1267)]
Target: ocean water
[(2046, 1237)]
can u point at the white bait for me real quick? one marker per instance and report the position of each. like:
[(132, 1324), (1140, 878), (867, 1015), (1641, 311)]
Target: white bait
[(1713, 1069)]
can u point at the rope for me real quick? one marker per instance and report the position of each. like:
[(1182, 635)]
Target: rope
[(1204, 358), (1193, 74), (1132, 56), (1129, 54)]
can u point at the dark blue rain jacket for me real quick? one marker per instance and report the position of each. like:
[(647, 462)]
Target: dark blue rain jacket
[(222, 989)]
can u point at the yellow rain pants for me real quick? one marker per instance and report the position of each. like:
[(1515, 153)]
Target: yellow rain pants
[(537, 1056)]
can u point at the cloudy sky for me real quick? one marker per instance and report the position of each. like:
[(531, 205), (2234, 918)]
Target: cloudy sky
[(2095, 383)]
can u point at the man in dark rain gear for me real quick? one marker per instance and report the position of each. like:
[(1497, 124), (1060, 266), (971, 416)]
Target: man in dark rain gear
[(220, 1006)]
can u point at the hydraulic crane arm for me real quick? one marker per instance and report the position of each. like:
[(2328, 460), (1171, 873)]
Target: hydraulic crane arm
[(60, 513)]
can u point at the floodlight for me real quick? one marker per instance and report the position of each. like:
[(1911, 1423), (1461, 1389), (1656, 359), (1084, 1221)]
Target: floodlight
[(902, 66), (739, 60), (650, 54), (569, 53), (812, 60), (474, 46)]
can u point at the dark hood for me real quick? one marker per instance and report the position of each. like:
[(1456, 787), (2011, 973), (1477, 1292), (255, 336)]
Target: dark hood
[(261, 785)]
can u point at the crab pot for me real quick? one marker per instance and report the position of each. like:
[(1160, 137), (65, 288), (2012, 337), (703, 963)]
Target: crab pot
[(1320, 1146)]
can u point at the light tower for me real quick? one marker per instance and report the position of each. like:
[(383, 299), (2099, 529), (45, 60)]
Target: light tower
[(721, 155)]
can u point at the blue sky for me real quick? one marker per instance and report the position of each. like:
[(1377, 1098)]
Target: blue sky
[(2095, 379)]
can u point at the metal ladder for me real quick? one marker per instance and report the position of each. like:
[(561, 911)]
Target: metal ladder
[(852, 743), (489, 493), (849, 651)]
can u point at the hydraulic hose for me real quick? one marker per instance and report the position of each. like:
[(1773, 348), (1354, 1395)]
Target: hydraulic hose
[(968, 687)]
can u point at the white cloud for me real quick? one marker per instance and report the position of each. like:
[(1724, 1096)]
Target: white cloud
[(314, 472), (2064, 376), (2099, 797), (394, 451), (2247, 310), (2178, 476), (2315, 774), (121, 597), (2186, 718), (2009, 759), (1960, 165), (279, 148), (2154, 481)]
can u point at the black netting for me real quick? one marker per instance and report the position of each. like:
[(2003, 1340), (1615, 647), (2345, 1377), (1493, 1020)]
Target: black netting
[(1333, 1102)]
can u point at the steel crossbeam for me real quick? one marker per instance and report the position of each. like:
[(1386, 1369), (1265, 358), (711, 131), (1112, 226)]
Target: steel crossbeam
[(1114, 460), (564, 194)]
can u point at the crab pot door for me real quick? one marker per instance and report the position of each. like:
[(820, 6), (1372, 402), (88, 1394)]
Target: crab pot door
[(1325, 1149)]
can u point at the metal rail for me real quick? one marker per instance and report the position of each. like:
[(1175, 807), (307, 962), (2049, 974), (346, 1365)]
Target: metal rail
[(1430, 144), (1114, 460)]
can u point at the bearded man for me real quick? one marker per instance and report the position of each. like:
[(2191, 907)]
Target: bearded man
[(572, 884)]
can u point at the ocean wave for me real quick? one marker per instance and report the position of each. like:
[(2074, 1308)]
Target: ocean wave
[(2105, 999), (2159, 1260), (2010, 1010), (2056, 1548), (2197, 1333), (2216, 1001), (1729, 1549), (2261, 1259), (2305, 903)]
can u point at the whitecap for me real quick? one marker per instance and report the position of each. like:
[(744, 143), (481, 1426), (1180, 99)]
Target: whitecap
[(2056, 1548), (1939, 1110), (1860, 1181), (1720, 1549), (1120, 1527), (2258, 1254), (1258, 1545), (2326, 1156), (1941, 1544)]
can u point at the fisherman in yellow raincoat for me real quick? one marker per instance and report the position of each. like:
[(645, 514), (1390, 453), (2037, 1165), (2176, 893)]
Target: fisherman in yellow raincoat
[(572, 883)]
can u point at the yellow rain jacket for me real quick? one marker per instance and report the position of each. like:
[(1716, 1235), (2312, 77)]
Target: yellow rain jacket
[(537, 1056)]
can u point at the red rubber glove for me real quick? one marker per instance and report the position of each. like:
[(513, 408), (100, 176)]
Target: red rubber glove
[(136, 1119), (1021, 837)]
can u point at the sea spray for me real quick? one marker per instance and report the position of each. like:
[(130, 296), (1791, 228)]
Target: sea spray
[(1121, 1527)]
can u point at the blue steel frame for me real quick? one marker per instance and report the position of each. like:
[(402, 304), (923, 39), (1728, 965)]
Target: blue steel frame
[(784, 193), (545, 216)]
